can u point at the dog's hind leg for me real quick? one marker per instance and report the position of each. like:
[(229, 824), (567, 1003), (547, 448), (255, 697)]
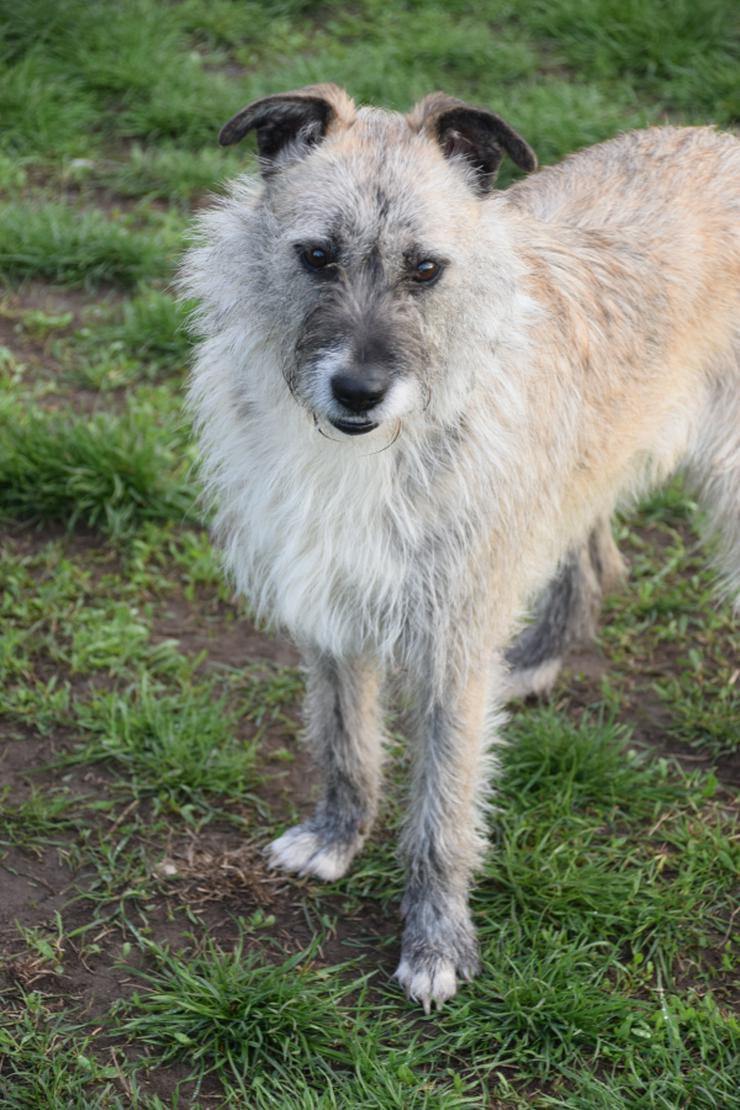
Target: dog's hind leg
[(345, 732), (565, 614), (713, 473)]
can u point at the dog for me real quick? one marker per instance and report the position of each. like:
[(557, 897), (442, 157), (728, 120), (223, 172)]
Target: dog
[(418, 402)]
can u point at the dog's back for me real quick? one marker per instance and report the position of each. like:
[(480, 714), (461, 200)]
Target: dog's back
[(636, 181)]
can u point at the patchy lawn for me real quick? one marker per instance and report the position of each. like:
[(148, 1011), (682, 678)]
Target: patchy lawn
[(149, 733)]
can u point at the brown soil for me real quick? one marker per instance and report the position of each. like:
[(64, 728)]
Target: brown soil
[(28, 345), (228, 638), (37, 353)]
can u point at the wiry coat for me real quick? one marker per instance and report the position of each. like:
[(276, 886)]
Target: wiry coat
[(581, 343)]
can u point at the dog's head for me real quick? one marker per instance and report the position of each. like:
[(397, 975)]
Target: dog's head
[(364, 255)]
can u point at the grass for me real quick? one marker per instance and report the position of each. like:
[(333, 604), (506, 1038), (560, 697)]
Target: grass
[(163, 172), (239, 1012), (580, 931), (108, 471), (151, 329), (179, 748), (36, 820), (119, 346), (105, 72), (675, 619), (47, 1061), (149, 751), (69, 247)]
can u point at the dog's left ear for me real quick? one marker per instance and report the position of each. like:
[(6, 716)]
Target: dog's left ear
[(478, 136), (289, 124)]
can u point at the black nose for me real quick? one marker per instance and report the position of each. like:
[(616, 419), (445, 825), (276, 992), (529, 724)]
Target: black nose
[(358, 394)]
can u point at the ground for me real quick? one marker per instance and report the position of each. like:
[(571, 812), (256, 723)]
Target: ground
[(149, 734)]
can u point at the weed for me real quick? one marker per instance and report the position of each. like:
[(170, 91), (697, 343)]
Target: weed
[(180, 748)]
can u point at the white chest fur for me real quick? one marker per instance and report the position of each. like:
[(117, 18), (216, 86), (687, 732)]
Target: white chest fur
[(323, 538)]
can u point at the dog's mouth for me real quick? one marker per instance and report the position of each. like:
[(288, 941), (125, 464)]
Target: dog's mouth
[(353, 427)]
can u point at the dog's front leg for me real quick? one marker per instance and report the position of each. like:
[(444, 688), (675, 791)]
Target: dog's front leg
[(444, 839), (345, 732)]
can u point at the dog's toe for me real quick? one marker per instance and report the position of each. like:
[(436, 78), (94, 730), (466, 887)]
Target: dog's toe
[(439, 950), (430, 981)]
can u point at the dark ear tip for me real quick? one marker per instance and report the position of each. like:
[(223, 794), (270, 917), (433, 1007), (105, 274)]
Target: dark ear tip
[(517, 148), (228, 134), (529, 161)]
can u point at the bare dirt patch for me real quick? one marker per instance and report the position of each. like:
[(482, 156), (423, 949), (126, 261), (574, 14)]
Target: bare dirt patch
[(228, 637), (34, 342)]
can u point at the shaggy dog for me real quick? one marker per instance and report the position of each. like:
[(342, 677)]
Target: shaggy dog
[(419, 401)]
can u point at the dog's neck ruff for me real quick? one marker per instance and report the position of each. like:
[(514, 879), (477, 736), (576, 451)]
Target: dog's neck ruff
[(341, 544)]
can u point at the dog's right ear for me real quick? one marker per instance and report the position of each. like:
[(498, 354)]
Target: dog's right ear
[(289, 124)]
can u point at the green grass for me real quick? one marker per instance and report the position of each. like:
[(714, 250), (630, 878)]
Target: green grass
[(108, 471), (69, 247), (106, 72), (164, 171), (53, 611), (141, 727), (179, 748), (119, 347), (47, 1062), (151, 329), (241, 1013), (583, 912), (36, 821), (683, 53), (671, 615)]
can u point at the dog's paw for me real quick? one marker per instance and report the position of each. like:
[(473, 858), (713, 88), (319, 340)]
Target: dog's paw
[(429, 971), (528, 682), (432, 981), (304, 851)]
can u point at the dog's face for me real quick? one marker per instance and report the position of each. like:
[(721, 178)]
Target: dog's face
[(363, 245)]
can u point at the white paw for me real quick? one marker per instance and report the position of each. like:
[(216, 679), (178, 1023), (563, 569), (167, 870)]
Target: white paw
[(428, 981), (532, 681), (301, 851)]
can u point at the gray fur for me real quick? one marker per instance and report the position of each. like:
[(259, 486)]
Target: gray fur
[(551, 632), (345, 734), (347, 747)]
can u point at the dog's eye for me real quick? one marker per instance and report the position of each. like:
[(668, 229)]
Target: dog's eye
[(426, 271), (316, 257)]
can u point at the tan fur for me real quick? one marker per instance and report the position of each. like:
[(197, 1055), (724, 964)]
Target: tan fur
[(640, 351)]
